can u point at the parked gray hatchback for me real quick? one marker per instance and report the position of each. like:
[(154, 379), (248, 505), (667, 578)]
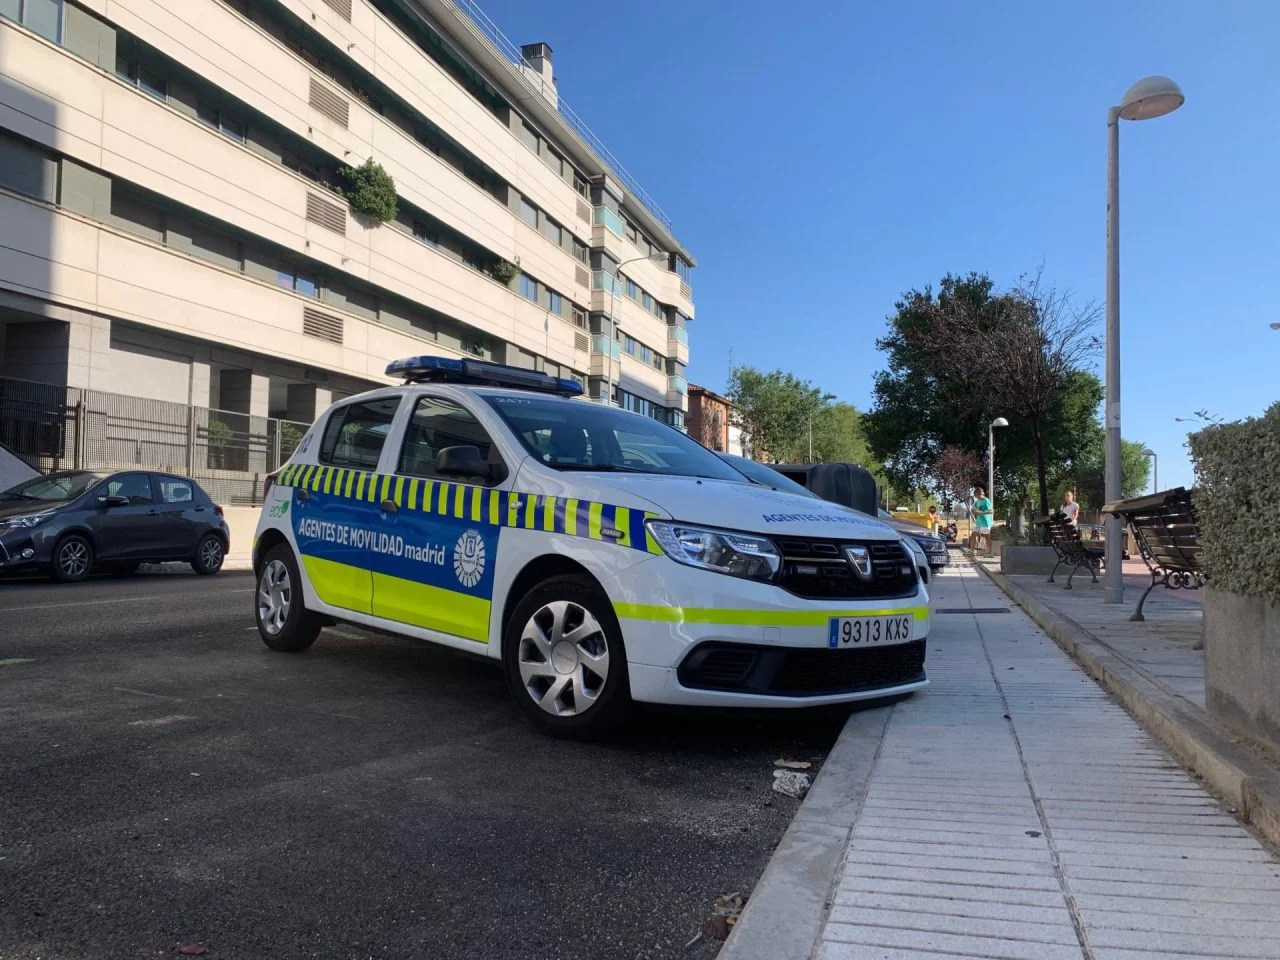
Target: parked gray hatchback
[(73, 522)]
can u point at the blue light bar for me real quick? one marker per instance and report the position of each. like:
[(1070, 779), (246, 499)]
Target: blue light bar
[(480, 373)]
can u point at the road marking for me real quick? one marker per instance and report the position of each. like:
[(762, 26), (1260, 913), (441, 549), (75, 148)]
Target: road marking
[(12, 660), (90, 603), (160, 721), (144, 693)]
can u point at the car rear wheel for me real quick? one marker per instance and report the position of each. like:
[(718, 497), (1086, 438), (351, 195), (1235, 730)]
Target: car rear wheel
[(209, 555), (72, 558), (283, 622), (565, 661)]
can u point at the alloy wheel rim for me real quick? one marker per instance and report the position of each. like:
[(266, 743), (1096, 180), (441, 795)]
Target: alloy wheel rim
[(275, 596), (73, 558), (211, 553), (563, 658)]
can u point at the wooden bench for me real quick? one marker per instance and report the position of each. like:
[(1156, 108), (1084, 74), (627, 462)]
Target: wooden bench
[(1168, 535), (1071, 548)]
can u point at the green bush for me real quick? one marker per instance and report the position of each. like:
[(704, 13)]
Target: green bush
[(371, 190), (504, 271), (1238, 502)]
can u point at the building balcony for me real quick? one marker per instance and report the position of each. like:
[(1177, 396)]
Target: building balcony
[(604, 217), (678, 344), (678, 392)]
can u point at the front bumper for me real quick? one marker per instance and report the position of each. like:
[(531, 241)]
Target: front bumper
[(717, 640), (21, 548)]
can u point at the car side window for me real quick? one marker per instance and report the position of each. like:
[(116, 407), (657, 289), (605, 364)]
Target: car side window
[(438, 423), (354, 435), (135, 486), (173, 490)]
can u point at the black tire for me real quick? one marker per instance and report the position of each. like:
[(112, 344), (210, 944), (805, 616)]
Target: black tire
[(610, 701), (210, 552), (300, 626), (72, 558)]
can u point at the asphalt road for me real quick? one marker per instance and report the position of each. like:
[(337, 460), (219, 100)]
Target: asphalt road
[(166, 780)]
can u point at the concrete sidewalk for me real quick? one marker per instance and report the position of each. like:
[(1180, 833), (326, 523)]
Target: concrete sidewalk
[(1012, 810)]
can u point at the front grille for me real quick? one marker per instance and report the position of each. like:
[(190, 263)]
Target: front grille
[(807, 672), (819, 570)]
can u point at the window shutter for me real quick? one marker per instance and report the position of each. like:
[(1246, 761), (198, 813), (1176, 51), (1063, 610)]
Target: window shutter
[(326, 214), (334, 107), (580, 342), (584, 212), (582, 276), (341, 7), (321, 326)]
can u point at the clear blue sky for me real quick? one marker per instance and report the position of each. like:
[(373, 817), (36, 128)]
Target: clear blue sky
[(820, 158)]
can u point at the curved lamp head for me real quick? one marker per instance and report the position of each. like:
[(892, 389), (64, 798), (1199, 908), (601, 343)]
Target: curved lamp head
[(1148, 453), (999, 422), (1151, 97)]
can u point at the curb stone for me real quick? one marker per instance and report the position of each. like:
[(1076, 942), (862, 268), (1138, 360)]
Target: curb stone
[(1226, 765), (784, 915)]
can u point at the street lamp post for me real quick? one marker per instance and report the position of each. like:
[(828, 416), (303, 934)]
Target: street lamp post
[(613, 325), (1148, 98), (826, 397), (1155, 469), (991, 462)]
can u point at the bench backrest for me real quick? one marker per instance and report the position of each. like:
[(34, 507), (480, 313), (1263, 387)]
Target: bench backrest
[(1166, 524), (1064, 536)]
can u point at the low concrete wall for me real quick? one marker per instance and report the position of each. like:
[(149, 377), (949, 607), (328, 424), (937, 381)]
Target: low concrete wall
[(243, 522), (1242, 664), (1015, 561)]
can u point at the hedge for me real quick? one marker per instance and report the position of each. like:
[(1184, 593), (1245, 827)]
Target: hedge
[(1238, 501), (372, 190)]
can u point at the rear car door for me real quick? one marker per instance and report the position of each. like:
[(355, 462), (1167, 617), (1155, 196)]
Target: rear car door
[(130, 531), (438, 573), (183, 513), (338, 522)]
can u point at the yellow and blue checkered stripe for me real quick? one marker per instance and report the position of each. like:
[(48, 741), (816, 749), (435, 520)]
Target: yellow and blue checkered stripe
[(568, 516)]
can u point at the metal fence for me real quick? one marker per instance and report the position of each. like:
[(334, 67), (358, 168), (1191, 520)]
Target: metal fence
[(62, 428)]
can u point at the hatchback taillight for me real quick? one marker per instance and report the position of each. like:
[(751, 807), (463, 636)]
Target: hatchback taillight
[(268, 482), (217, 508)]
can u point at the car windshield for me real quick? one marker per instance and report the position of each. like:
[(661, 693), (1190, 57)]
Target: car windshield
[(765, 475), (576, 435), (55, 488)]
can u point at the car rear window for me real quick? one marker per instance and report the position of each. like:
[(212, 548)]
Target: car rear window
[(355, 433)]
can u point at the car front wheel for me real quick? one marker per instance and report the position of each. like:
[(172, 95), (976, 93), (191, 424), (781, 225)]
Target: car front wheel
[(565, 661), (72, 558), (283, 622)]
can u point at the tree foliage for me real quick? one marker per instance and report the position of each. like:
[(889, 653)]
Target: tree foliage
[(371, 190), (773, 410), (954, 472)]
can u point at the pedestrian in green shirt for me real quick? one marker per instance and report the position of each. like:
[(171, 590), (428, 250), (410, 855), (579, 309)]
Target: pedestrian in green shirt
[(982, 513)]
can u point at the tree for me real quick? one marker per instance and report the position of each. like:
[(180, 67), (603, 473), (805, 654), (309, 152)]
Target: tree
[(773, 410), (954, 472), (371, 190), (839, 437), (1086, 477)]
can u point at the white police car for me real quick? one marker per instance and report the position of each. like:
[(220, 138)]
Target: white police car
[(603, 556)]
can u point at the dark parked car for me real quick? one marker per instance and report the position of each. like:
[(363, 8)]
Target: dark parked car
[(71, 522)]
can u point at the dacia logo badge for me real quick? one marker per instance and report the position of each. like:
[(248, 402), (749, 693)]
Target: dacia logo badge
[(859, 558)]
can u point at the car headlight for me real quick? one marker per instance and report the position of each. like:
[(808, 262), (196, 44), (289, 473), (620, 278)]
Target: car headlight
[(916, 551), (31, 520), (724, 551)]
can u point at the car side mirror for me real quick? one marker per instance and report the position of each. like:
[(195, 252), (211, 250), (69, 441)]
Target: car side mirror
[(114, 500), (463, 461)]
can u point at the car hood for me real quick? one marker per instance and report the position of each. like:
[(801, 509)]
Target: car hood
[(746, 506), (909, 528), (23, 508)]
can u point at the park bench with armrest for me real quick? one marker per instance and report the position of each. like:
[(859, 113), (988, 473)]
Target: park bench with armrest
[(1168, 535), (1071, 548)]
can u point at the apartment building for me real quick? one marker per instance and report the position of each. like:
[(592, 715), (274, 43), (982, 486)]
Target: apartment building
[(171, 225)]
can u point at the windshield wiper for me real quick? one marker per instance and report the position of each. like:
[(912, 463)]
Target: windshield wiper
[(598, 467), (17, 496)]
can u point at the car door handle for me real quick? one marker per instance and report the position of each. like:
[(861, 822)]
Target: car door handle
[(303, 494), (389, 506)]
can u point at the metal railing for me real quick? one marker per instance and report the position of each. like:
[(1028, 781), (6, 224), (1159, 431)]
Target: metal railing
[(499, 39), (64, 428)]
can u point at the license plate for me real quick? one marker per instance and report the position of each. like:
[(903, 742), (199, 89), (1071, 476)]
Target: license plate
[(868, 631)]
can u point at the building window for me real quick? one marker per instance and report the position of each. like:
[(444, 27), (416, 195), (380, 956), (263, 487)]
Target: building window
[(684, 269), (551, 230), (632, 290), (659, 362), (529, 136), (646, 301), (424, 233), (528, 213), (146, 80), (39, 16), (300, 281), (581, 185), (528, 287), (212, 116), (579, 316), (581, 251), (557, 303), (631, 232)]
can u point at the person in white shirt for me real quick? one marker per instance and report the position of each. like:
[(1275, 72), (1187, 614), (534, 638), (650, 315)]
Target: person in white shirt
[(1071, 509)]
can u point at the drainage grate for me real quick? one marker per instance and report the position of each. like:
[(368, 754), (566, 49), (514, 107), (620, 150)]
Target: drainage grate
[(972, 610)]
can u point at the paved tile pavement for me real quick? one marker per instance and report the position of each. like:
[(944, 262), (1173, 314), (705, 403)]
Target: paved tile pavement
[(1163, 646), (1015, 811)]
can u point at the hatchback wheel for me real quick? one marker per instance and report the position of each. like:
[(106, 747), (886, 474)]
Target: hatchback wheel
[(209, 554), (283, 622), (565, 661), (72, 558)]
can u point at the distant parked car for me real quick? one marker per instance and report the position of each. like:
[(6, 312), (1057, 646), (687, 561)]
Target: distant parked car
[(70, 523)]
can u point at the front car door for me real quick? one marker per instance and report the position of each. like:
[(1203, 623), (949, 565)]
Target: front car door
[(338, 523), (438, 573), (129, 531)]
